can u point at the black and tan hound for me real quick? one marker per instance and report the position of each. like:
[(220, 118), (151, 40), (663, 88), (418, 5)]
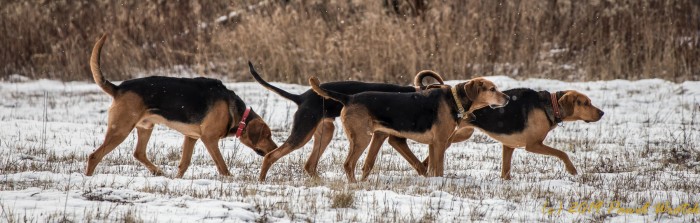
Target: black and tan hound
[(428, 117), (199, 108), (314, 118), (524, 122)]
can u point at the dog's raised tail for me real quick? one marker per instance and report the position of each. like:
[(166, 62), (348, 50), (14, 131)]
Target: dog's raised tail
[(418, 80), (293, 97), (316, 86), (100, 80)]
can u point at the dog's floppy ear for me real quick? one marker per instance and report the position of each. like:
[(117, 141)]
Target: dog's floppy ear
[(257, 130), (472, 89), (567, 103)]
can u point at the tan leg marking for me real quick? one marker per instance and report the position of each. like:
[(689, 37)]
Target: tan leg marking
[(358, 143), (357, 124), (213, 129), (186, 159), (144, 134), (322, 137), (400, 145), (436, 159), (374, 146), (506, 160), (441, 141), (125, 112), (546, 150), (460, 135), (276, 154)]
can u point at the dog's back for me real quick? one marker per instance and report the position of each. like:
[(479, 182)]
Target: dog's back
[(409, 112), (185, 100), (513, 117)]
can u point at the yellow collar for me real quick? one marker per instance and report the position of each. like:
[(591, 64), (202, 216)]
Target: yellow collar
[(462, 113)]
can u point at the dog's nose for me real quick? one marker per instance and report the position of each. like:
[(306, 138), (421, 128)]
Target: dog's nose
[(601, 113)]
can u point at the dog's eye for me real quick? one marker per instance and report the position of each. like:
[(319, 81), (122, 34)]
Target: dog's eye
[(493, 89)]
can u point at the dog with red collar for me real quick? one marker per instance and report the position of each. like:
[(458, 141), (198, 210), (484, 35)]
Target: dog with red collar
[(199, 108), (524, 122)]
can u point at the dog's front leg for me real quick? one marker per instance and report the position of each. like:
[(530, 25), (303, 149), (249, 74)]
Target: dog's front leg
[(546, 150), (187, 149), (505, 166)]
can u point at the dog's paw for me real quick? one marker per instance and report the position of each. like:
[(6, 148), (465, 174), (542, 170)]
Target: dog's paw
[(505, 176), (157, 172)]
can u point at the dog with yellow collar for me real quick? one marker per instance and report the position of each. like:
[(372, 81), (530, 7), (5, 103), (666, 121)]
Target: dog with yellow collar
[(428, 117)]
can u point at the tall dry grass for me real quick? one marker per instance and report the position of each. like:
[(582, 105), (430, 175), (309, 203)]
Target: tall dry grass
[(385, 40)]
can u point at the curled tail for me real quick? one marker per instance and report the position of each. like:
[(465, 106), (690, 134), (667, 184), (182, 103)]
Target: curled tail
[(316, 86), (418, 80), (293, 97), (107, 87)]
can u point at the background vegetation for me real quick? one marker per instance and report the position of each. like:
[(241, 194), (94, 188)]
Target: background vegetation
[(387, 40)]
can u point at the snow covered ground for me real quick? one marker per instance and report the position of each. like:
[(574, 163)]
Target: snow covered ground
[(642, 155)]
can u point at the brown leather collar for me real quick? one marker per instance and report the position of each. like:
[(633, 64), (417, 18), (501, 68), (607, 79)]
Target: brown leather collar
[(241, 124), (555, 107)]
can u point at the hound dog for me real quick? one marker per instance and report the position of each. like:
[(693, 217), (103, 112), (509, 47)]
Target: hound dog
[(525, 122), (199, 108), (315, 115), (428, 117)]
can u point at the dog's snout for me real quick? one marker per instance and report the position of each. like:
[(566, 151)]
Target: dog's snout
[(506, 100), (601, 113)]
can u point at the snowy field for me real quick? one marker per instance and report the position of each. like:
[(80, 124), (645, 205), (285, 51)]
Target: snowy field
[(642, 156)]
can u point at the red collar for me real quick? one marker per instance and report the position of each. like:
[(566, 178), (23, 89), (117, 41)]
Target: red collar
[(241, 125), (555, 106)]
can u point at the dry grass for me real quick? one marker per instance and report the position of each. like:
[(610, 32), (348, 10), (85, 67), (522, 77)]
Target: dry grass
[(361, 40), (343, 199), (615, 165)]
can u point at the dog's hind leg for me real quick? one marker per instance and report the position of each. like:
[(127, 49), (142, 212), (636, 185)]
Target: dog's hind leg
[(376, 144), (278, 153), (187, 149), (304, 125), (400, 146), (358, 143), (117, 131), (505, 166), (322, 137), (144, 134)]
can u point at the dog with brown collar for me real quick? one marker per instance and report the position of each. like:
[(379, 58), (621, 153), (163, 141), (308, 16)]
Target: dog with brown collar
[(199, 108), (524, 122), (428, 117)]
